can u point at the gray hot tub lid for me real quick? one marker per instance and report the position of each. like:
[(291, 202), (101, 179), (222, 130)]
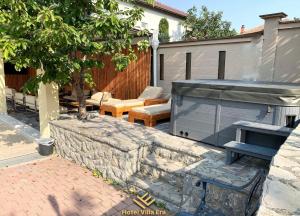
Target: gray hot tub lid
[(273, 93)]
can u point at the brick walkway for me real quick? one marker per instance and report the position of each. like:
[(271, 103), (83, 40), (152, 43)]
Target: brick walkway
[(60, 188)]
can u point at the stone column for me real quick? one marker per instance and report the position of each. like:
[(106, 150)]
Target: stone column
[(271, 26), (48, 105), (3, 106)]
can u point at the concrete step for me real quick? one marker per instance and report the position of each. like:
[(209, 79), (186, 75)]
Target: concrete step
[(159, 189), (168, 170), (28, 158)]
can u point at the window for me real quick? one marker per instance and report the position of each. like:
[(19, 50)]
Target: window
[(162, 66), (188, 69), (221, 67)]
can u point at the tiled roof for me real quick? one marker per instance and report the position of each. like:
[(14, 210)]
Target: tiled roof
[(260, 28), (254, 30), (164, 8)]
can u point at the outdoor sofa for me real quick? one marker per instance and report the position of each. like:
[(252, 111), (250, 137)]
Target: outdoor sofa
[(117, 107), (150, 114)]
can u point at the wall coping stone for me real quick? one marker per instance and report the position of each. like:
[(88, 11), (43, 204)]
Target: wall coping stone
[(281, 195), (130, 137)]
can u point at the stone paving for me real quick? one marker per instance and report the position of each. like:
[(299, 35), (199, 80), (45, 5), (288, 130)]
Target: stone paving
[(12, 144), (58, 187)]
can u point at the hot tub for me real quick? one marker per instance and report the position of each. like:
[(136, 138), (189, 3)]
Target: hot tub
[(204, 110)]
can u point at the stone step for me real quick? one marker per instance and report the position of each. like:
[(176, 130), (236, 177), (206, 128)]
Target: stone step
[(168, 170), (180, 149), (159, 189), (170, 154)]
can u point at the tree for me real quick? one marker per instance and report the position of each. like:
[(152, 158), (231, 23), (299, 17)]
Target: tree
[(206, 25), (163, 34), (63, 37)]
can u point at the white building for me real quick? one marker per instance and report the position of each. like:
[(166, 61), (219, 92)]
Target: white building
[(268, 53), (154, 13)]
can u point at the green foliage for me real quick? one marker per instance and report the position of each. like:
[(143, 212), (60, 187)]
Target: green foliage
[(97, 173), (206, 25), (163, 34), (160, 205), (62, 36)]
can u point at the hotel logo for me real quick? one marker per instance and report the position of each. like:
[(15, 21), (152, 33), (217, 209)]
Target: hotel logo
[(144, 201)]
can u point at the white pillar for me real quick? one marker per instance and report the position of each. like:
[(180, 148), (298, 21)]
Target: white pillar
[(3, 106), (155, 44), (48, 100), (267, 69)]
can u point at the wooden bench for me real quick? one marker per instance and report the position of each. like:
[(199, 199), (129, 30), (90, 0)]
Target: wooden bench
[(234, 148)]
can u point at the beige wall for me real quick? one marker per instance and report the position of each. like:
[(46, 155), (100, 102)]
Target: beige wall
[(287, 64), (151, 19), (243, 58)]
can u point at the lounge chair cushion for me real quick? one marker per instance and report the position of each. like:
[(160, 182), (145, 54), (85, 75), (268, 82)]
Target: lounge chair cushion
[(98, 98), (151, 92), (104, 96), (9, 92), (19, 98), (73, 96), (153, 109), (31, 101), (124, 103)]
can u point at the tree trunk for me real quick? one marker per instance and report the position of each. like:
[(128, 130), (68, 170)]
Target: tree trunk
[(78, 79)]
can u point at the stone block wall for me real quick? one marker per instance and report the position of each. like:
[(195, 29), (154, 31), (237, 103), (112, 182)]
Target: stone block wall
[(281, 195), (113, 162)]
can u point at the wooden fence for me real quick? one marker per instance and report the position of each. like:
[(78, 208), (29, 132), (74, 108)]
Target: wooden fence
[(17, 81), (127, 84)]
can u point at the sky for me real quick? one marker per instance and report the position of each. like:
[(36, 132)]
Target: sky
[(242, 12)]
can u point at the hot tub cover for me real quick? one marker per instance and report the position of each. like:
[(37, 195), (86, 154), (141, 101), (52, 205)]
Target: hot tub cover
[(272, 93)]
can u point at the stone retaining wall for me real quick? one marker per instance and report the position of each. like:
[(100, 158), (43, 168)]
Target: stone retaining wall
[(281, 195), (116, 159)]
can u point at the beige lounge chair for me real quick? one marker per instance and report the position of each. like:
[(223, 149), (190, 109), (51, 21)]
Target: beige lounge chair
[(117, 107), (98, 98), (150, 114), (31, 102), (19, 99), (73, 96), (10, 93)]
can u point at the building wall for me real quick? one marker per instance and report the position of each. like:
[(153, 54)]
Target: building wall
[(287, 64), (243, 58), (152, 18)]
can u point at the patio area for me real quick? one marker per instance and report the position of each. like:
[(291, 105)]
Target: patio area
[(55, 187), (152, 160)]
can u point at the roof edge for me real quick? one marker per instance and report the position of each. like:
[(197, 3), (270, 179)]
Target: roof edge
[(215, 39), (274, 15), (163, 8)]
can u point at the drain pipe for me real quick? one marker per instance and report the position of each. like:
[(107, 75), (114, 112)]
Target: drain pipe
[(155, 44)]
